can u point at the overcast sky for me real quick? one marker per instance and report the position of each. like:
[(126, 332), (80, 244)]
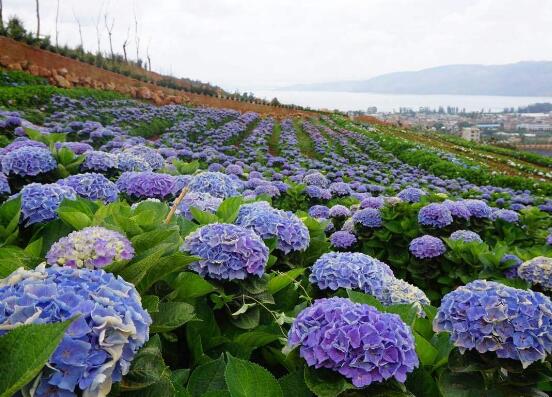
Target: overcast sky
[(249, 44)]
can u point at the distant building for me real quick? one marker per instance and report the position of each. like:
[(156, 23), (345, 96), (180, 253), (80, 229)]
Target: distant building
[(488, 126), (471, 134), (535, 127)]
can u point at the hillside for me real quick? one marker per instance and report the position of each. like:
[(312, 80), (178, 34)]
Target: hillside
[(517, 79)]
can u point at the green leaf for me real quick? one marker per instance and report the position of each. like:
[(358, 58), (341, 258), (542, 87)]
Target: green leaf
[(203, 217), (12, 258), (425, 350), (164, 234), (453, 384), (229, 208), (150, 303), (207, 378), (190, 285), (246, 379), (249, 341), (293, 384), (74, 218), (279, 282), (166, 265), (325, 383), (34, 248), (360, 297), (248, 320), (171, 315), (24, 351), (134, 271)]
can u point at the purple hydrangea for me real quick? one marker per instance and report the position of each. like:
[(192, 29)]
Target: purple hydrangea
[(76, 147), (340, 189), (110, 325), (339, 211), (315, 192), (549, 239), (91, 247), (147, 154), (367, 218), (352, 270), (343, 239), (466, 236), (130, 162), (411, 194), (216, 184), (290, 232), (508, 216), (478, 208), (201, 201), (4, 185), (435, 215), (537, 271), (92, 186), (234, 169), (491, 317), (427, 247), (228, 252), (319, 211), (514, 261), (372, 202), (28, 161), (457, 209), (39, 203), (146, 184), (316, 179), (267, 189), (19, 143), (99, 161), (355, 340)]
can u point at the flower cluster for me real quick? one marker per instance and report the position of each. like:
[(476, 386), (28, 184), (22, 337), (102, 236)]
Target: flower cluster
[(98, 347), (537, 271), (319, 211), (150, 156), (372, 202), (478, 208), (228, 252), (343, 239), (339, 211), (76, 147), (368, 218), (4, 185), (316, 179), (514, 261), (216, 184), (146, 184), (130, 162), (354, 339), (353, 270), (201, 201), (466, 236), (491, 317), (91, 247), (427, 247), (39, 203), (99, 161), (92, 186), (411, 194), (268, 222), (457, 209), (397, 291), (435, 215), (28, 161), (505, 215)]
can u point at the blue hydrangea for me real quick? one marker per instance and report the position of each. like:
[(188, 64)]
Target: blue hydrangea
[(92, 186), (234, 169), (98, 347), (466, 236), (355, 340), (290, 232), (91, 247), (491, 317), (339, 211), (343, 239), (319, 211), (340, 189), (146, 184), (99, 161), (478, 208), (397, 292), (39, 203), (4, 185), (19, 143), (411, 194), (28, 161), (352, 270), (130, 162), (76, 147), (201, 201), (427, 247), (537, 271), (315, 192), (549, 239), (147, 154), (228, 252), (216, 184), (514, 262), (434, 215), (508, 216), (372, 202), (316, 179), (457, 209), (267, 189), (367, 218)]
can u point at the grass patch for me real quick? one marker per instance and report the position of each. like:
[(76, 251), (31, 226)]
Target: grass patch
[(274, 140), (304, 141), (156, 127)]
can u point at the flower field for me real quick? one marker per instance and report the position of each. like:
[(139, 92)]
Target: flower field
[(203, 252)]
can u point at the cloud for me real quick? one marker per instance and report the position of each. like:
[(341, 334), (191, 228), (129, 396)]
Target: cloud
[(264, 43)]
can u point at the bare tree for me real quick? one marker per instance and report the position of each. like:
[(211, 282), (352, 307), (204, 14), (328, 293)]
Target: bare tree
[(125, 43), (136, 36), (98, 34), (80, 30), (109, 29), (37, 19), (1, 17), (57, 23), (148, 66)]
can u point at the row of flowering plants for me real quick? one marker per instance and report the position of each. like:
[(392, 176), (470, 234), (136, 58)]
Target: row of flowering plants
[(202, 264)]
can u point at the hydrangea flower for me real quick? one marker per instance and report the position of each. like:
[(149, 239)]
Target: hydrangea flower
[(39, 203), (319, 211), (435, 215), (355, 340), (228, 252), (316, 192), (100, 344), (505, 215), (19, 143), (372, 202), (4, 185), (267, 188), (368, 218), (339, 211), (146, 184), (457, 209), (201, 201), (511, 272), (343, 239), (76, 147), (92, 186), (478, 208), (491, 317), (268, 222), (427, 247), (99, 161), (28, 161), (91, 247), (130, 162), (147, 154), (234, 169), (466, 236), (216, 184), (353, 270), (397, 291), (411, 194), (340, 189), (549, 239), (316, 179), (537, 271)]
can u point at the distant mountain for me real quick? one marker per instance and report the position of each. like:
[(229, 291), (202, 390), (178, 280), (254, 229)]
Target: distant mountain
[(516, 79)]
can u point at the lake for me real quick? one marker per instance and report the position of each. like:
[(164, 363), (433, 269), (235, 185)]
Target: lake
[(389, 102)]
